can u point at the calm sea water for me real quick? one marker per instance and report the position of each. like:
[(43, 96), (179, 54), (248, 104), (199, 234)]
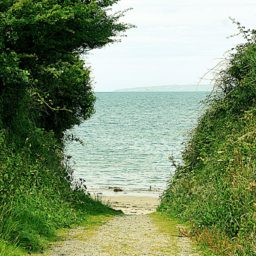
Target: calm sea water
[(128, 141)]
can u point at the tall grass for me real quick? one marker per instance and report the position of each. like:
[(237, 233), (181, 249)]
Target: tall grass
[(36, 195), (215, 187)]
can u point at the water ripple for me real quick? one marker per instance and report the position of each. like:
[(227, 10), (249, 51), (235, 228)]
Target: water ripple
[(129, 139)]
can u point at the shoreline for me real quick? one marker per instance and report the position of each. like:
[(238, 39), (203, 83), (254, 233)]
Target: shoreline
[(155, 193), (132, 205)]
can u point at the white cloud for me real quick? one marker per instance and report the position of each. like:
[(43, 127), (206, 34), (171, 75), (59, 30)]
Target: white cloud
[(176, 41)]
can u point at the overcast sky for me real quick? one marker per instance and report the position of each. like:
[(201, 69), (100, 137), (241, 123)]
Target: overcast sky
[(175, 42)]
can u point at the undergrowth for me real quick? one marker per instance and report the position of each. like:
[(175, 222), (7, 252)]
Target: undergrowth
[(215, 186), (45, 89), (36, 195)]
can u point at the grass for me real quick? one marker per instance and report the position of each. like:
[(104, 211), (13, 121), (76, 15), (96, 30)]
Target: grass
[(217, 196), (82, 231), (168, 227), (36, 198), (10, 250), (165, 224), (42, 95), (176, 229), (214, 189), (36, 222)]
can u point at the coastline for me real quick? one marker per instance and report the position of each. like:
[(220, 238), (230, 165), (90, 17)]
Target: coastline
[(128, 204)]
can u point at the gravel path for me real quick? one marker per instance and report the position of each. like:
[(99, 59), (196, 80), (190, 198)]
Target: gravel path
[(133, 235)]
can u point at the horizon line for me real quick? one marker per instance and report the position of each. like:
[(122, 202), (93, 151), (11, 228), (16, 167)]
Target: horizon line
[(148, 91)]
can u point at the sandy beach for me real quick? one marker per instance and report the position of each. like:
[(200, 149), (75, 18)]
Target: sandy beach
[(132, 204)]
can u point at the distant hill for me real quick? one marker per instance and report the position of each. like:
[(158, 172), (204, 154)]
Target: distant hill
[(168, 88)]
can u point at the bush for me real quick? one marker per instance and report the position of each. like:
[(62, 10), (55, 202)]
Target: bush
[(215, 187), (45, 89)]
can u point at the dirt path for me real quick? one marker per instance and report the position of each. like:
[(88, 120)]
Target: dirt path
[(131, 235)]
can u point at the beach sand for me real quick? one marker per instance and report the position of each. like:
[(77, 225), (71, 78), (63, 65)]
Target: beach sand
[(132, 204)]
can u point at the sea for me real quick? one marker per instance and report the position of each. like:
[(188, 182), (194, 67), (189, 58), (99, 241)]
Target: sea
[(128, 141)]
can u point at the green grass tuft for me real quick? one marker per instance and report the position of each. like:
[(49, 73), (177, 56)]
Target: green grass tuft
[(215, 186)]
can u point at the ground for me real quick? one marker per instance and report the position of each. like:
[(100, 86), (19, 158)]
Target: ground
[(136, 233)]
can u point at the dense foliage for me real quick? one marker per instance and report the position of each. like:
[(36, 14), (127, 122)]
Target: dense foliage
[(215, 187), (40, 65), (45, 89)]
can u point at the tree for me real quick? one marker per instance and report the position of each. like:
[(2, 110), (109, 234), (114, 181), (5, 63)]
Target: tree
[(41, 70)]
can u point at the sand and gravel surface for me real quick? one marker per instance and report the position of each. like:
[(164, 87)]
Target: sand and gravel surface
[(133, 234), (133, 204)]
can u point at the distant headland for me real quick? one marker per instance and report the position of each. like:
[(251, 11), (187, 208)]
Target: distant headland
[(169, 88)]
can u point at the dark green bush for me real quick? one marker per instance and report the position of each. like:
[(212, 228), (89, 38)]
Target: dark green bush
[(45, 89)]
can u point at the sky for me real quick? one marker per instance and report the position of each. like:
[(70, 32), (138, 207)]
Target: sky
[(175, 42)]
